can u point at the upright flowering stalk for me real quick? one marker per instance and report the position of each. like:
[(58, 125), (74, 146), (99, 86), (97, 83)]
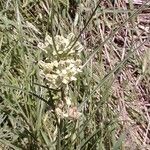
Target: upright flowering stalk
[(62, 64)]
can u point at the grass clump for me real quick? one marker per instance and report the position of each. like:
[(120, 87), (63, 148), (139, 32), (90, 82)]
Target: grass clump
[(73, 75)]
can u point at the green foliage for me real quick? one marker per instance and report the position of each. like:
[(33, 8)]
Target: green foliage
[(106, 101)]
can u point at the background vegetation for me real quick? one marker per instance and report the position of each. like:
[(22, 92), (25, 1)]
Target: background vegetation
[(112, 92)]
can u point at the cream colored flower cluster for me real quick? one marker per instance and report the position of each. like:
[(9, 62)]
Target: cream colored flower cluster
[(71, 113), (64, 63)]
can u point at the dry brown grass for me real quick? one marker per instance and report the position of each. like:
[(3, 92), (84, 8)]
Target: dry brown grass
[(113, 92), (131, 87)]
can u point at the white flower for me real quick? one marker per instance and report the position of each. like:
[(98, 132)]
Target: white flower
[(63, 72), (66, 69), (73, 78), (70, 36), (65, 81), (60, 52), (41, 63), (55, 63), (68, 101), (54, 53), (43, 46), (42, 74), (60, 113), (73, 113)]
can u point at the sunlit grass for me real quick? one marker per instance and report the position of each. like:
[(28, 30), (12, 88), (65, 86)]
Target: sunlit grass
[(110, 93)]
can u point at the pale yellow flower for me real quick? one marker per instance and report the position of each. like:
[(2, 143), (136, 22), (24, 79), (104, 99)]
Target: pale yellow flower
[(66, 69), (55, 63), (65, 80), (60, 113), (68, 101)]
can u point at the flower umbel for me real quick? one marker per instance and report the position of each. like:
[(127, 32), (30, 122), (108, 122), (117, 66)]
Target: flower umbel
[(63, 66), (60, 67)]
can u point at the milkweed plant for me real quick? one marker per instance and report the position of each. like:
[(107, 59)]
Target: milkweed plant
[(61, 67)]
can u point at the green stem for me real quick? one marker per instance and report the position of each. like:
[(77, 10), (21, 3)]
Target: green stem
[(53, 39)]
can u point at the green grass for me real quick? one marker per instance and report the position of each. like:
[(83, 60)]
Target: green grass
[(112, 92)]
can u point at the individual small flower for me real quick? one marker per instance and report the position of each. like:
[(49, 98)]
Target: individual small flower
[(63, 72), (73, 113), (65, 80), (46, 67), (43, 46), (73, 78), (70, 113), (60, 113), (68, 101)]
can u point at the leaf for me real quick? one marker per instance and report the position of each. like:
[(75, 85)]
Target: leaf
[(118, 144)]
